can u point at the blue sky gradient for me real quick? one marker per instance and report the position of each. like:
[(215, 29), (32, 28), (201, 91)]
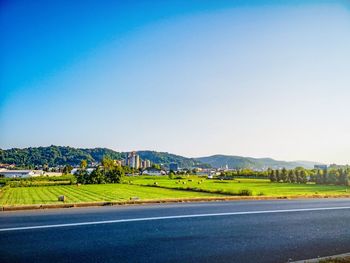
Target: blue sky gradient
[(251, 78)]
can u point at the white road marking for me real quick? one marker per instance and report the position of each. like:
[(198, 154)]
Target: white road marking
[(171, 217)]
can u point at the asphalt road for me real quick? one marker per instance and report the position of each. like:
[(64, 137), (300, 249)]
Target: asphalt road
[(240, 231)]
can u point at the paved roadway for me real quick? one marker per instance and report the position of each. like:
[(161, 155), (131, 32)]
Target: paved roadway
[(240, 231)]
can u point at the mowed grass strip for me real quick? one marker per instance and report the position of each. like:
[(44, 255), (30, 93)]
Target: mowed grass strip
[(257, 186), (90, 193)]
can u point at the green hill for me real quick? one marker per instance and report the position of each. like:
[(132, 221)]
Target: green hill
[(62, 155), (54, 155), (166, 158)]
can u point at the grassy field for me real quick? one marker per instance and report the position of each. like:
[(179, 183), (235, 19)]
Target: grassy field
[(187, 187), (257, 186), (89, 193)]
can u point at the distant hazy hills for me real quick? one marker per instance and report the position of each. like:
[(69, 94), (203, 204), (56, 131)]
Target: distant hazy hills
[(61, 155), (218, 161)]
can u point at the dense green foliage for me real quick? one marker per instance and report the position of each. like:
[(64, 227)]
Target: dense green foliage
[(336, 176), (300, 175), (244, 173), (100, 175), (54, 156), (109, 172), (60, 155)]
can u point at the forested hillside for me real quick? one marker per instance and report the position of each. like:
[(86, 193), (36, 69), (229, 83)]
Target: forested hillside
[(54, 155)]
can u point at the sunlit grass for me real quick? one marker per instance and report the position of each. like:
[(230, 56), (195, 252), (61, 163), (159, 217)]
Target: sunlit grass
[(89, 193), (138, 186), (257, 186)]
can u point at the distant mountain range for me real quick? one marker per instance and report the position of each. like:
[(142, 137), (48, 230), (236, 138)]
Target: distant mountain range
[(62, 155), (234, 162)]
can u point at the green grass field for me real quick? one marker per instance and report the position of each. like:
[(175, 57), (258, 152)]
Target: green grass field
[(257, 186), (89, 193), (167, 189)]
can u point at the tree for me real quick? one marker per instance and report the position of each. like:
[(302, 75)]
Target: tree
[(96, 177), (291, 176), (302, 177), (347, 177), (278, 175), (319, 177), (67, 169), (101, 175), (312, 175), (155, 166), (107, 163), (114, 175), (82, 176), (83, 164), (332, 177), (343, 177), (324, 176), (171, 175), (284, 175), (272, 176)]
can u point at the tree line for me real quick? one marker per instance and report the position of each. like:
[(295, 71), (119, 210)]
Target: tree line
[(300, 175)]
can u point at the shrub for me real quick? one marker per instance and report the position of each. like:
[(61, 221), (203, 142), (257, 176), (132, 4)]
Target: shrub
[(245, 192)]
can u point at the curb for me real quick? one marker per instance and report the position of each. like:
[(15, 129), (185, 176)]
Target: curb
[(316, 260), (158, 201)]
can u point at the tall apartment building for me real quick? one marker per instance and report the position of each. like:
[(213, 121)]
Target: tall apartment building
[(133, 160), (145, 164)]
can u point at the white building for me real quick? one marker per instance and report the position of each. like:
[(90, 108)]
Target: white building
[(153, 172), (20, 173), (88, 170)]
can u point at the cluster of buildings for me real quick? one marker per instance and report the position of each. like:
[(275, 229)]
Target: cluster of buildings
[(133, 160), (21, 173)]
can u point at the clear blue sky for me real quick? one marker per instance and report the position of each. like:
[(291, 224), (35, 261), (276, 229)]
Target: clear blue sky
[(251, 78)]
